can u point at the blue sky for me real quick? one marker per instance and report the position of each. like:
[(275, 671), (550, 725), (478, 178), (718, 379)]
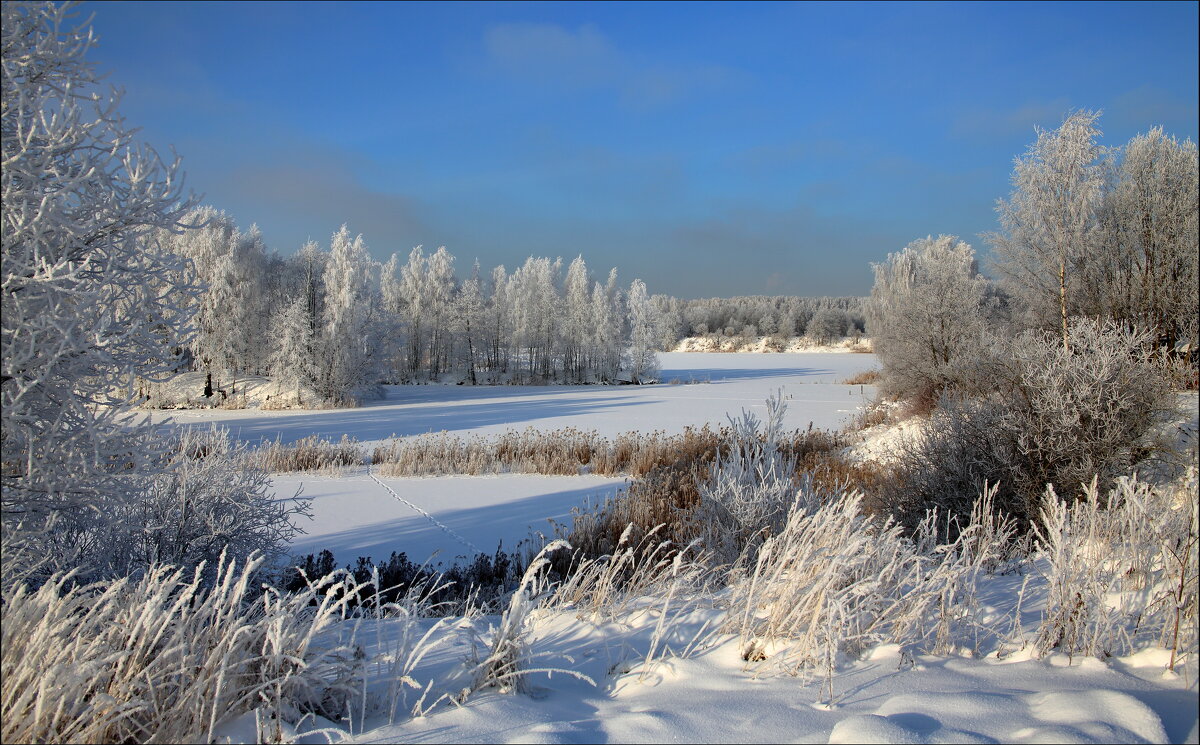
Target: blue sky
[(709, 149)]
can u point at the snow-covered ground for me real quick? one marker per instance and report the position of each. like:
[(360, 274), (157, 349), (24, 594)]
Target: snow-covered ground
[(354, 515), (453, 516), (712, 695), (724, 384)]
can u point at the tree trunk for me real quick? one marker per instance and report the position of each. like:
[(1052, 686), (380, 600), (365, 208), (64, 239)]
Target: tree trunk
[(1062, 298)]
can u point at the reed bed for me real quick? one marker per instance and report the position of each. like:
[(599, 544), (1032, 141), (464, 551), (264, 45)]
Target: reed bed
[(560, 452), (307, 454)]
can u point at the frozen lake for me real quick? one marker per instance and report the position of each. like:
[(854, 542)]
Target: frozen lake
[(353, 515), (728, 384)]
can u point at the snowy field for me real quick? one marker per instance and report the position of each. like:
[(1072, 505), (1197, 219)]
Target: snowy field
[(353, 515), (713, 695), (726, 384), (453, 517)]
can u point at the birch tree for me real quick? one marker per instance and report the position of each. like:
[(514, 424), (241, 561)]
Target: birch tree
[(292, 361), (578, 302), (345, 344), (1148, 272), (412, 290), (468, 320), (1050, 221), (439, 295), (643, 334)]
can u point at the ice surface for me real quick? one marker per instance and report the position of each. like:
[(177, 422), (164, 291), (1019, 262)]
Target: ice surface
[(727, 383)]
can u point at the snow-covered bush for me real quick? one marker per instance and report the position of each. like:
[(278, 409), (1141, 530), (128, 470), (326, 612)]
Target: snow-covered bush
[(206, 499), (1121, 569), (208, 502), (927, 312), (1054, 415), (165, 658), (749, 488)]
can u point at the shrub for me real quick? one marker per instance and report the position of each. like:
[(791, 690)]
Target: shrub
[(722, 488), (1054, 415), (204, 499), (749, 486), (209, 502), (866, 377)]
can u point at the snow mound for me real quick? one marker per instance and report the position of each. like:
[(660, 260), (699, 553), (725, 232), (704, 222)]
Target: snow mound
[(1087, 716), (883, 443)]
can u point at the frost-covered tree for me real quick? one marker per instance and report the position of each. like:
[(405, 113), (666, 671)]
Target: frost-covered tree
[(292, 361), (83, 267), (345, 348), (439, 296), (535, 303), (1148, 270), (828, 325), (670, 320), (608, 318), (926, 313), (416, 307), (643, 334), (312, 261), (576, 320), (468, 320), (499, 322), (1050, 221)]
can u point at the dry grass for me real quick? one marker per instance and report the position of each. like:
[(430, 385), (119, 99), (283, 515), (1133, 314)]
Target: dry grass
[(562, 452), (162, 658), (664, 500), (307, 454), (867, 377)]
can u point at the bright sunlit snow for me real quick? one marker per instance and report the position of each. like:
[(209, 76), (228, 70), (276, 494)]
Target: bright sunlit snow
[(725, 384)]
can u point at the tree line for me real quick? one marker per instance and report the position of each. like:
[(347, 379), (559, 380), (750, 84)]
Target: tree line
[(331, 321)]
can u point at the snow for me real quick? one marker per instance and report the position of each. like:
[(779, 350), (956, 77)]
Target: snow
[(725, 384), (1000, 695), (714, 696), (450, 516), (356, 516)]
